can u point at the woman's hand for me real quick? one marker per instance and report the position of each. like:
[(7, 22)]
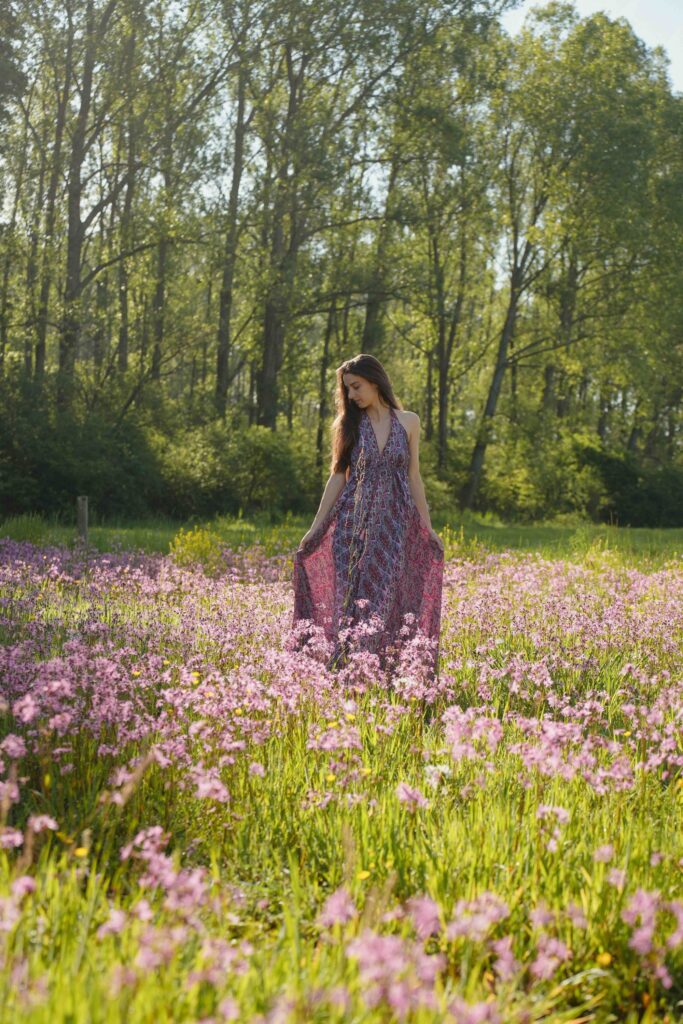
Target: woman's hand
[(306, 537), (434, 535)]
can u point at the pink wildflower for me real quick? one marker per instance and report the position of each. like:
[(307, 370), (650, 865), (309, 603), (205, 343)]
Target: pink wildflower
[(38, 822), (474, 918), (10, 837), (505, 964), (474, 1013), (114, 925), (23, 885), (413, 798), (603, 854), (551, 953), (338, 908), (425, 915)]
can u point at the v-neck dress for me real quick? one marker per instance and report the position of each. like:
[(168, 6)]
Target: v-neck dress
[(372, 562)]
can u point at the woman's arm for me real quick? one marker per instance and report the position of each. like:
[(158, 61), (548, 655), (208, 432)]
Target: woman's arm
[(416, 486), (332, 490), (333, 487)]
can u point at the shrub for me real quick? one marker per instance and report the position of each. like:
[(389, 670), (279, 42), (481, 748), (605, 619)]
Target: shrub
[(214, 470), (197, 546), (636, 495), (47, 458)]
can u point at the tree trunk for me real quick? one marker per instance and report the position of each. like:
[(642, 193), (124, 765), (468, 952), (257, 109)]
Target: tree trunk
[(548, 397), (9, 231), (373, 328), (50, 215), (283, 256), (605, 406), (70, 326), (126, 238), (230, 254), (322, 391), (484, 433), (448, 329), (429, 391), (158, 309)]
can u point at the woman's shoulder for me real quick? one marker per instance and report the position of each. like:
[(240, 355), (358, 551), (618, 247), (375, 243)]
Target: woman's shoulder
[(409, 420)]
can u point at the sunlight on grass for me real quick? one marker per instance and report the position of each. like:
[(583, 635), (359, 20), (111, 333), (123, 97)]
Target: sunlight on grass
[(199, 816)]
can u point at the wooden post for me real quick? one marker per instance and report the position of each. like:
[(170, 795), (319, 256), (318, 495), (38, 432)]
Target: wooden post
[(82, 505)]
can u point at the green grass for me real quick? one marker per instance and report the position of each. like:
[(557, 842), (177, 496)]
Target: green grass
[(278, 848), (629, 545)]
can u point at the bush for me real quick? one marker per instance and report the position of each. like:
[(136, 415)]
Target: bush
[(197, 546), (27, 527), (636, 495), (213, 470), (48, 458), (527, 481)]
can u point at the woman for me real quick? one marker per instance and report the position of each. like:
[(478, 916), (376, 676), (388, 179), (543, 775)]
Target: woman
[(371, 557)]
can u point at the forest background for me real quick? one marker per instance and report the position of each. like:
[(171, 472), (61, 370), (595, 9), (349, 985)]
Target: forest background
[(205, 207)]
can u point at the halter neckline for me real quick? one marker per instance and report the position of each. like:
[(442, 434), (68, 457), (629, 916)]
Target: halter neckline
[(392, 416)]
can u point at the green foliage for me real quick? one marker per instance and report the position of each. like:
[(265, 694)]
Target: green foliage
[(534, 476), (561, 145), (636, 495), (47, 458), (213, 470), (197, 546), (27, 527)]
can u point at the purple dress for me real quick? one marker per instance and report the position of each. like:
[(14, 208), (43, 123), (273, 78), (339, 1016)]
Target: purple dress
[(371, 560)]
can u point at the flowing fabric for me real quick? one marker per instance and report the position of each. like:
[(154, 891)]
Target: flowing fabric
[(372, 561)]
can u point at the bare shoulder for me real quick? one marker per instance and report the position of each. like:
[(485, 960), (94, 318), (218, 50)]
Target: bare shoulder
[(409, 420)]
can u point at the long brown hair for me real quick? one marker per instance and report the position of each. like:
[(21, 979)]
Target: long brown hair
[(347, 421)]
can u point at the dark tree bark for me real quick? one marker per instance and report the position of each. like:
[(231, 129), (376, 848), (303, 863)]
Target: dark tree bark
[(158, 309), (126, 237), (322, 390), (373, 327), (230, 253), (95, 28), (486, 424), (9, 253), (283, 253)]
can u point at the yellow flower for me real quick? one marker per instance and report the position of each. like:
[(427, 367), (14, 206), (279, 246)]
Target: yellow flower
[(350, 717), (330, 777), (47, 780), (136, 673), (366, 771), (81, 851), (333, 725), (238, 711), (362, 875), (210, 693), (604, 959)]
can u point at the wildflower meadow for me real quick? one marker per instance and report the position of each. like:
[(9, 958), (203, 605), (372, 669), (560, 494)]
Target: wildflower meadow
[(200, 823)]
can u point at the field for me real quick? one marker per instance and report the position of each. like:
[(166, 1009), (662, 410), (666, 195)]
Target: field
[(200, 824)]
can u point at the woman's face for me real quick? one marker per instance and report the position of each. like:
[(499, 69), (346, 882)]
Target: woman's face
[(359, 389)]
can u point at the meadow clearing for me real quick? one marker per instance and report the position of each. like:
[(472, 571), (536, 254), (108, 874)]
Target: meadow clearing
[(199, 823)]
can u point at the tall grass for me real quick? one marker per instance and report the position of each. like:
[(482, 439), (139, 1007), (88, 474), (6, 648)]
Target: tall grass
[(636, 546), (208, 826)]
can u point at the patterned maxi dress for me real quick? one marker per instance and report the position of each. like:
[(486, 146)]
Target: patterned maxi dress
[(373, 556)]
